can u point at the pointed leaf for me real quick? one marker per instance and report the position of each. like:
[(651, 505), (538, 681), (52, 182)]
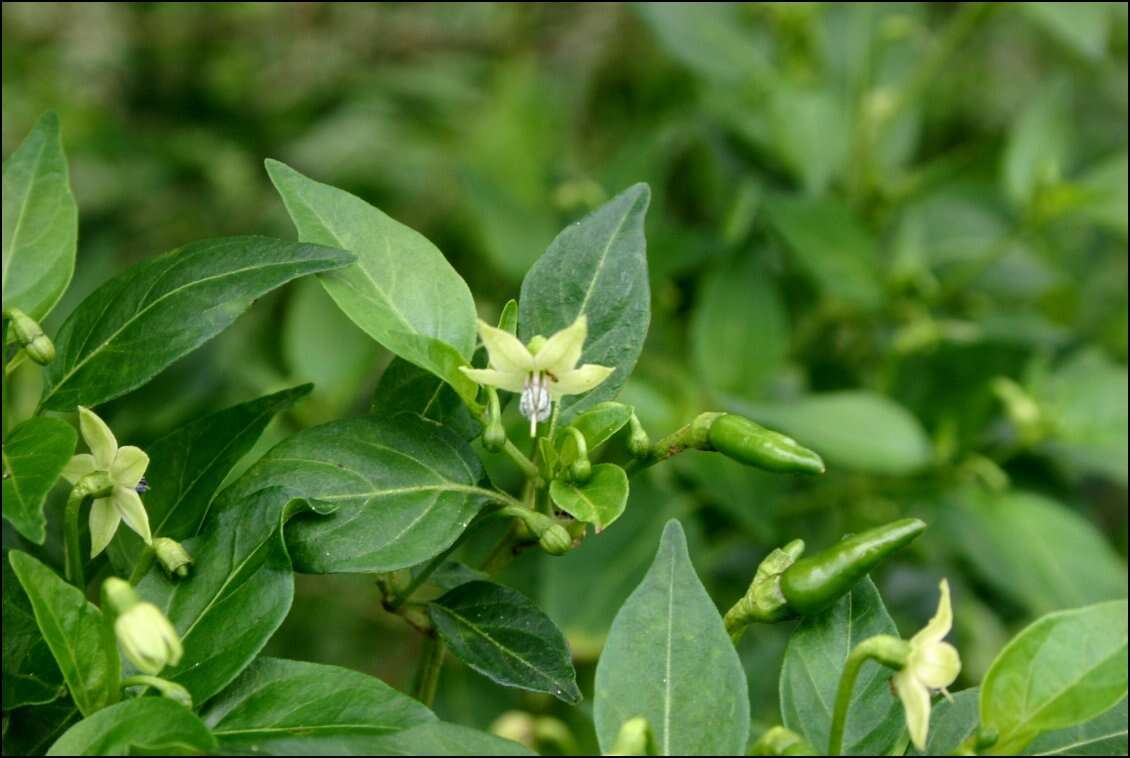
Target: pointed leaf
[(31, 675), (669, 659), (599, 501), (596, 267), (142, 320), (146, 725), (406, 387), (405, 489), (501, 634), (34, 455), (40, 225)]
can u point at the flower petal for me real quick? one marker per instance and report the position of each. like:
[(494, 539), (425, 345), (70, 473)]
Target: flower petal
[(916, 701), (129, 466), (936, 665), (104, 519), (939, 626), (78, 467), (98, 437), (507, 353), (579, 380), (560, 353), (510, 382), (129, 505)]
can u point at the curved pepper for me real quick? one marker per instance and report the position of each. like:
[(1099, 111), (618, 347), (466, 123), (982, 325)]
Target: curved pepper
[(752, 444)]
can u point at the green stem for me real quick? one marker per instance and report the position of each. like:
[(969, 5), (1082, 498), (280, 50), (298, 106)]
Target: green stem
[(690, 437), (888, 650), (427, 676), (74, 561), (524, 463), (16, 362), (141, 568)]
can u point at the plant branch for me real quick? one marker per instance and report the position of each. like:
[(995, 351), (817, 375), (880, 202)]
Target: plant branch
[(74, 562)]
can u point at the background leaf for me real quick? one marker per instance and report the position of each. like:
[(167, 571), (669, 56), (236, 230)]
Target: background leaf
[(1080, 658), (40, 222), (405, 489), (34, 455), (501, 634), (668, 658), (138, 323), (31, 676), (79, 638), (152, 725), (280, 707), (814, 661), (596, 267)]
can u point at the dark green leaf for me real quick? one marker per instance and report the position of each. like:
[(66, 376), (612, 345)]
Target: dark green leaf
[(599, 501), (814, 661), (238, 593), (34, 455), (402, 291), (279, 707), (149, 725), (405, 487), (40, 222), (669, 659), (33, 729), (81, 641), (187, 467), (30, 673), (139, 322), (1064, 669), (405, 387), (596, 267), (501, 634), (1102, 735)]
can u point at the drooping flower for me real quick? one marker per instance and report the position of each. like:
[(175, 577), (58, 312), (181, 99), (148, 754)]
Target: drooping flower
[(543, 371), (125, 467), (930, 665), (146, 637)]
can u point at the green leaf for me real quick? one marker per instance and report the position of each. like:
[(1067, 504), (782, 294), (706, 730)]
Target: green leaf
[(34, 455), (79, 638), (187, 467), (814, 661), (139, 322), (1038, 147), (31, 730), (1105, 185), (401, 291), (599, 501), (441, 738), (1082, 27), (30, 673), (596, 267), (708, 38), (1064, 669), (280, 707), (405, 387), (1036, 551), (405, 487), (832, 246), (40, 227), (1102, 735), (146, 725), (669, 659), (498, 632), (951, 723), (597, 424), (739, 334), (238, 593), (855, 429)]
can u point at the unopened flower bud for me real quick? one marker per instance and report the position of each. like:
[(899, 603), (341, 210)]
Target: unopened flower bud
[(145, 636), (172, 556), (639, 443), (31, 337), (635, 738), (555, 540)]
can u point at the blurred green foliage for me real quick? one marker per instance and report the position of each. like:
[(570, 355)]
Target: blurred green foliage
[(896, 231)]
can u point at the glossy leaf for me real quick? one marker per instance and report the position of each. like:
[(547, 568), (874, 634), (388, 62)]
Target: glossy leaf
[(596, 267), (405, 387), (1064, 669), (187, 467), (79, 639), (814, 661), (501, 634), (599, 501), (148, 725), (280, 707), (405, 489), (34, 455), (1102, 735), (597, 424), (401, 291), (30, 673), (40, 225), (856, 430), (238, 593), (142, 320), (668, 659)]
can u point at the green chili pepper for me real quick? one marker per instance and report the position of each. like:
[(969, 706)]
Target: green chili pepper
[(752, 444), (812, 584)]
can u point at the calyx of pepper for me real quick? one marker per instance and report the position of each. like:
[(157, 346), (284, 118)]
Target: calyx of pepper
[(763, 601)]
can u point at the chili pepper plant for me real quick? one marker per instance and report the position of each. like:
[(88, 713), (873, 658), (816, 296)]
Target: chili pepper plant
[(136, 615)]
